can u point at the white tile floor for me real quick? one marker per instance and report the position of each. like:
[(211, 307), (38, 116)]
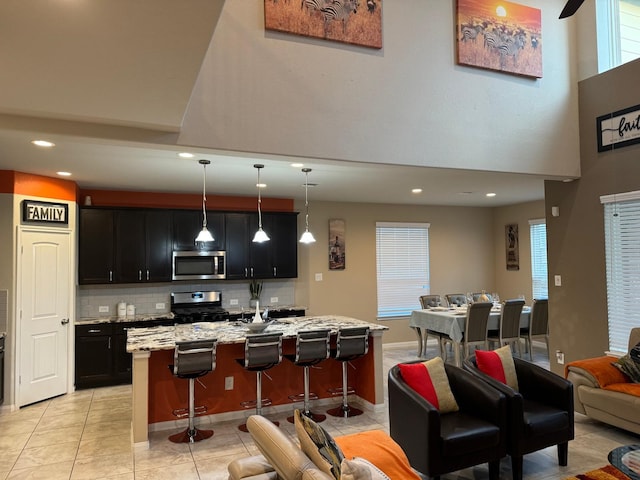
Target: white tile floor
[(86, 435)]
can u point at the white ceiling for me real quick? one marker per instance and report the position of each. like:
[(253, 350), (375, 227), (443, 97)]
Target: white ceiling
[(92, 92)]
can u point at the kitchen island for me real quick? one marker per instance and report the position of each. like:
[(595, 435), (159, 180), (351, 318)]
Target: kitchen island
[(156, 392)]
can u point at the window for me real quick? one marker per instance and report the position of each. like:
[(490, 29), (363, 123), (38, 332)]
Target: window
[(618, 38), (622, 252), (402, 262), (539, 277)]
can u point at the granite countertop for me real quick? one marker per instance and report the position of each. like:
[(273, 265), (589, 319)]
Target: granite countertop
[(137, 318), (164, 338)]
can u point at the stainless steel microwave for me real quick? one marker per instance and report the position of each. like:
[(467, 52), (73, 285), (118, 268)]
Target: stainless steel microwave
[(199, 265)]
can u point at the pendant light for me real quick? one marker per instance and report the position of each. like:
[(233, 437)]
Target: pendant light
[(307, 236), (260, 235), (205, 234)]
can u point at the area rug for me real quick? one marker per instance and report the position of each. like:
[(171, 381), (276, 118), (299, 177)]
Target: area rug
[(605, 473)]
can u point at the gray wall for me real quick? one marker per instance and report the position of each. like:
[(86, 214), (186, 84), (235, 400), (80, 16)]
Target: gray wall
[(409, 103), (578, 309)]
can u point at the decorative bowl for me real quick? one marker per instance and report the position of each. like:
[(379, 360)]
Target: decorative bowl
[(257, 327)]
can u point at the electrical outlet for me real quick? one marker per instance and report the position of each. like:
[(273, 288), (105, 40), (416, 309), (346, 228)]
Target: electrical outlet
[(103, 309), (274, 300), (159, 306), (560, 357), (228, 383), (233, 301)]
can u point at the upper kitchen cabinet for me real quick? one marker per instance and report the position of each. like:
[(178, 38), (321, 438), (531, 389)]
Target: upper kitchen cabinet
[(188, 223), (277, 258), (96, 254), (143, 246)]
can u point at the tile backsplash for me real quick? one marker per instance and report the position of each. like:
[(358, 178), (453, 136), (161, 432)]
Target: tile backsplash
[(146, 297)]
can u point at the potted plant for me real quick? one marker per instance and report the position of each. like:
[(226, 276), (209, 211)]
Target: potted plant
[(255, 289)]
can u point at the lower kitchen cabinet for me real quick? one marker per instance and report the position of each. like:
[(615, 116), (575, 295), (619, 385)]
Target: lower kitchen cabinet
[(94, 355)]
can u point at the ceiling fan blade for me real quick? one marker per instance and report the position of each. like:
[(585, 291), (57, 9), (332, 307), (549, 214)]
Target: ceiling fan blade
[(570, 8)]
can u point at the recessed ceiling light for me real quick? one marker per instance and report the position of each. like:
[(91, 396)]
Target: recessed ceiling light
[(43, 143), (261, 185), (568, 180), (297, 165), (416, 190), (491, 194), (185, 155), (64, 174)]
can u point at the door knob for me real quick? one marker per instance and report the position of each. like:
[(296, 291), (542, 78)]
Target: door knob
[(64, 321)]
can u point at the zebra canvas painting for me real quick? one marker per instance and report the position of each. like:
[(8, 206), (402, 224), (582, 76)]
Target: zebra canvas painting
[(357, 22), (501, 36)]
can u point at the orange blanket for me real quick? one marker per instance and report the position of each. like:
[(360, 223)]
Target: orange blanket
[(601, 369), (381, 450)]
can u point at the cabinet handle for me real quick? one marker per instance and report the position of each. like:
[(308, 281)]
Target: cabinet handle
[(94, 331), (109, 343), (246, 274), (275, 271), (111, 275), (251, 272), (139, 275), (147, 275)]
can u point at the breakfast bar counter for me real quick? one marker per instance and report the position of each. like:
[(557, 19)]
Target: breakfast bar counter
[(156, 392)]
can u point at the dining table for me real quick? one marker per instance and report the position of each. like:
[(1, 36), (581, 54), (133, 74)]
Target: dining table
[(451, 321)]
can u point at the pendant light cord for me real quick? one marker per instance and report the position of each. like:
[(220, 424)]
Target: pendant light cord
[(306, 198), (259, 199), (204, 197)]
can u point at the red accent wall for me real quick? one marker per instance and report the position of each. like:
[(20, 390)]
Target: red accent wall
[(117, 198), (28, 184)]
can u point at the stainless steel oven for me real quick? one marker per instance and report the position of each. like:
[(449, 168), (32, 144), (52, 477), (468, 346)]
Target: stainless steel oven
[(199, 265)]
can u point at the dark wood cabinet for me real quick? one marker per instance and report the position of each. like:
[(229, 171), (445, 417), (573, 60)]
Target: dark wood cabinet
[(277, 258), (94, 356), (96, 251), (188, 223), (130, 245), (143, 246), (122, 365)]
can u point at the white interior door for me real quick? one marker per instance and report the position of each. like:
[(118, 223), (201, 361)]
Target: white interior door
[(43, 315)]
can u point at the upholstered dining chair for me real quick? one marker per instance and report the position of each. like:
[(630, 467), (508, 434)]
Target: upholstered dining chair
[(508, 332), (538, 325), (475, 327), (478, 297), (458, 299), (431, 301)]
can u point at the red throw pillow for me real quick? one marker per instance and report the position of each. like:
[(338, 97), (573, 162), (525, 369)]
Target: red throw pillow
[(429, 379), (498, 364)]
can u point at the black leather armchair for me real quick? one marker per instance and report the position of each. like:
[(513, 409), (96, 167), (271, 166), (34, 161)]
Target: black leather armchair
[(440, 443), (540, 414)]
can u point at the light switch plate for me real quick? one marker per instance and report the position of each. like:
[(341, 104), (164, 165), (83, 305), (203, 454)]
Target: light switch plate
[(557, 279), (103, 309), (274, 300), (228, 383), (318, 277), (159, 306), (233, 301)]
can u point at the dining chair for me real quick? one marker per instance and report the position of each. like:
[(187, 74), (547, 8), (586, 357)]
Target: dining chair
[(430, 301), (458, 299), (509, 330), (538, 325), (475, 328)]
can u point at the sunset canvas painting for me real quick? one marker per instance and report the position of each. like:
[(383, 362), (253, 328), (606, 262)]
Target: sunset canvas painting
[(501, 36)]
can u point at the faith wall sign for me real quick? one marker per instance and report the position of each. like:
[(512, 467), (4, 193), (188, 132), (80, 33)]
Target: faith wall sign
[(44, 212), (618, 129)]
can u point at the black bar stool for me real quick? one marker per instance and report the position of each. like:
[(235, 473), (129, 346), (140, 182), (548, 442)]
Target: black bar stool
[(351, 343), (192, 359), (312, 347), (261, 352)]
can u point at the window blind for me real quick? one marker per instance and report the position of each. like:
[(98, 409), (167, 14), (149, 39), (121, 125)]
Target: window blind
[(402, 263), (622, 252), (539, 272)]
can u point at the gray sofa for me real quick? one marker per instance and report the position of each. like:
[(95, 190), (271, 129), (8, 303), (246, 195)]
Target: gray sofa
[(603, 393)]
